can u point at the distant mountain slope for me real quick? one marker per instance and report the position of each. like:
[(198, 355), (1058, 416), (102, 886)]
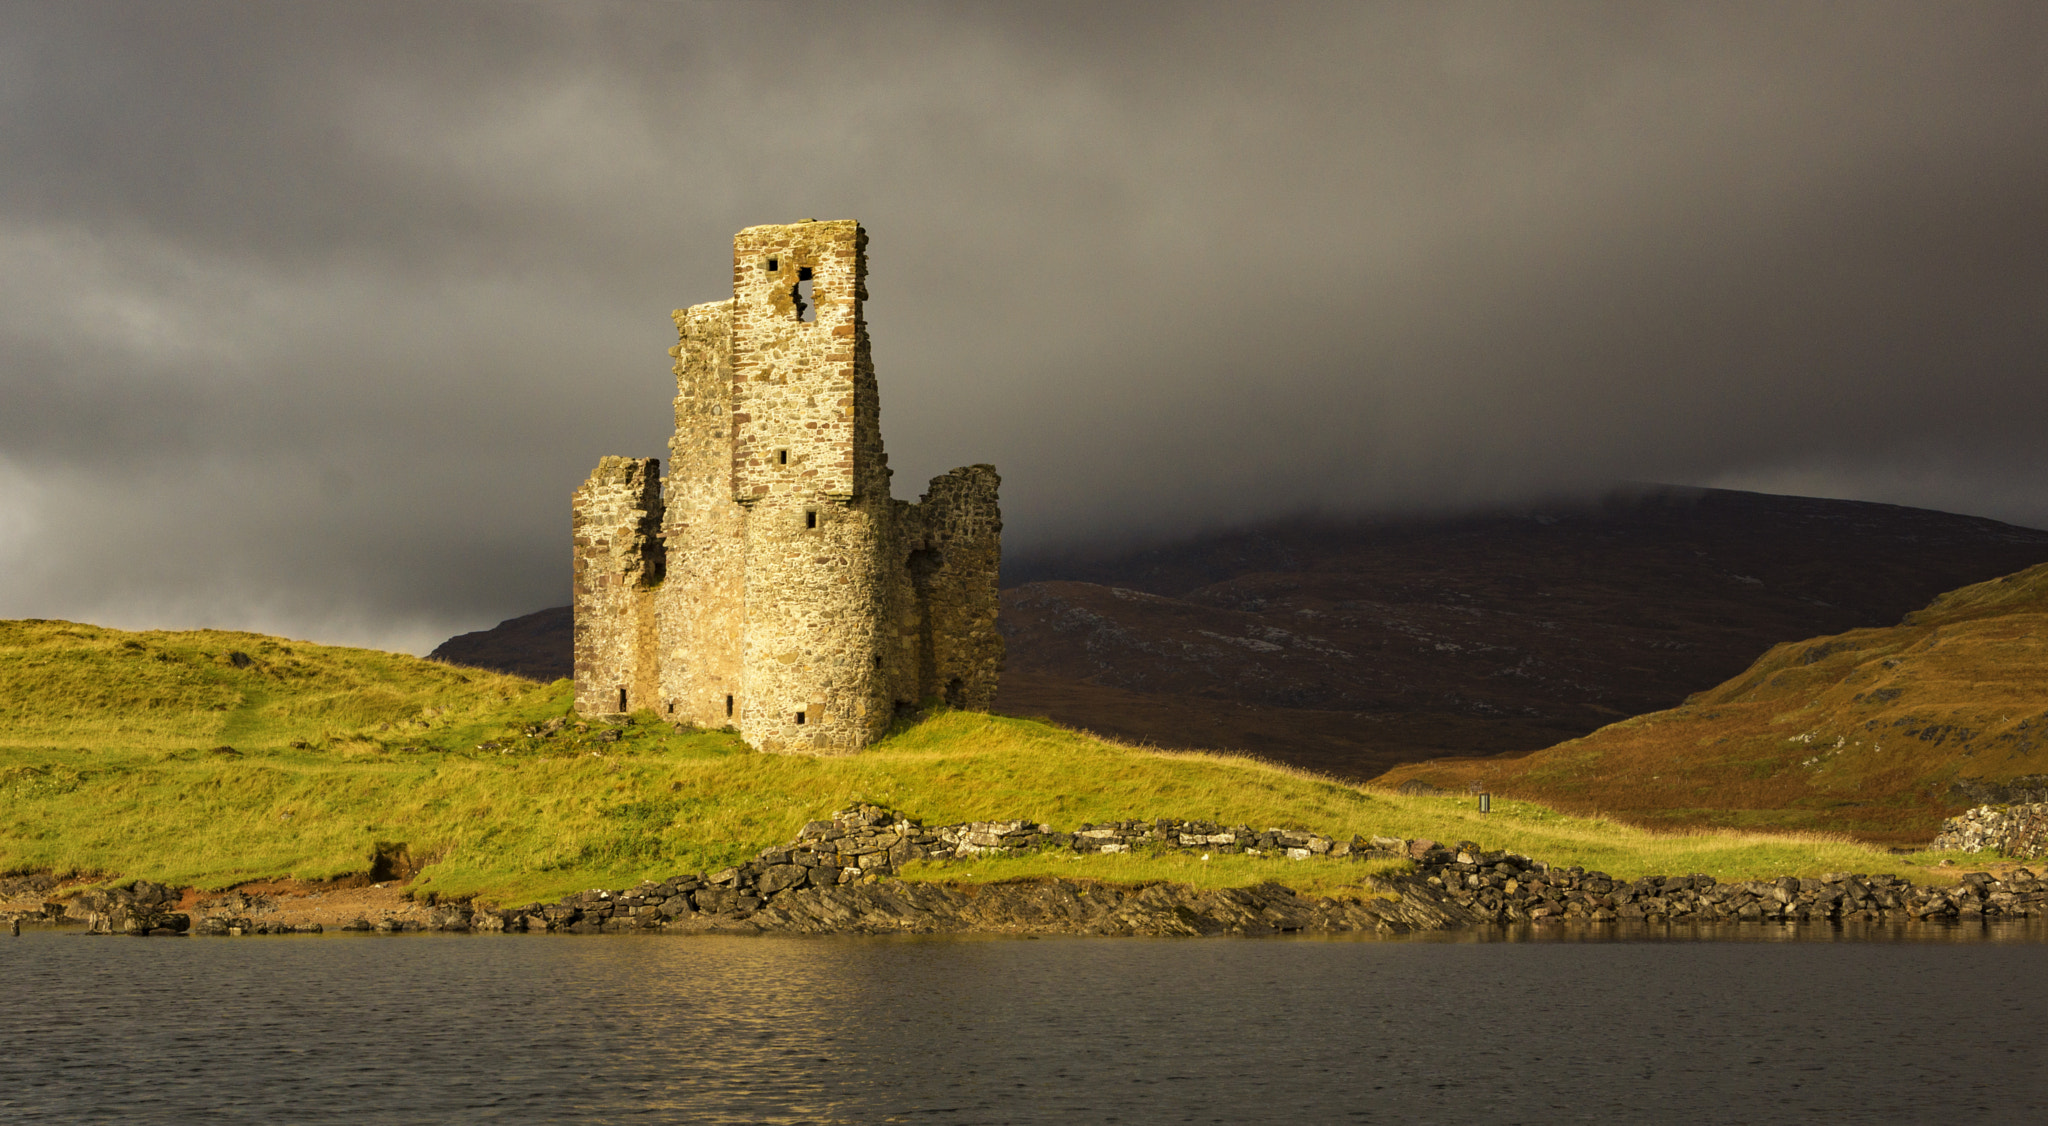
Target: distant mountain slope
[(540, 646), (1350, 647), (1876, 732)]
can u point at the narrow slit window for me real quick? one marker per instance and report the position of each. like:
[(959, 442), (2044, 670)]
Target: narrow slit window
[(799, 718), (810, 517), (782, 457), (728, 707), (774, 264), (804, 296), (671, 707), (622, 699)]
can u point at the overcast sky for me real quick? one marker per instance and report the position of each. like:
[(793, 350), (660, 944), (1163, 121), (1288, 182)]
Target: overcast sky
[(312, 316)]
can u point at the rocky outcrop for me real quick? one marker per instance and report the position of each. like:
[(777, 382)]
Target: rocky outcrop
[(2018, 831), (1501, 887), (140, 908), (834, 879), (1086, 907)]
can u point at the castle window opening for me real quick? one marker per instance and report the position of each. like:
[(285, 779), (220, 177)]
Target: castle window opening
[(810, 517), (774, 265), (728, 707), (799, 718), (622, 699), (782, 457), (802, 293)]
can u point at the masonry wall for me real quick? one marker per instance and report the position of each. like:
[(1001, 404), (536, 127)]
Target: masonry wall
[(951, 547), (804, 465), (801, 604), (702, 604), (616, 521)]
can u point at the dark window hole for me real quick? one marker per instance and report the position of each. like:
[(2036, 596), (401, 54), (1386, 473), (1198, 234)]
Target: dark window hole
[(782, 457), (728, 707), (804, 296), (810, 517), (799, 717), (622, 699), (774, 264)]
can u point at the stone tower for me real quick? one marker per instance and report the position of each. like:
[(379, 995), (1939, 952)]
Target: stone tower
[(771, 583)]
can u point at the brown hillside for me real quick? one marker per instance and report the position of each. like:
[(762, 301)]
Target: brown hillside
[(540, 645), (1875, 732), (1352, 646)]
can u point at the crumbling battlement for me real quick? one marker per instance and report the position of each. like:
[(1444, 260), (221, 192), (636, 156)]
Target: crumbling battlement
[(770, 582)]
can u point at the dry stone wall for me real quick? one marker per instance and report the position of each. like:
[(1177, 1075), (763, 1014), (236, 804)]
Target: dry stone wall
[(835, 878), (801, 605), (2018, 831)]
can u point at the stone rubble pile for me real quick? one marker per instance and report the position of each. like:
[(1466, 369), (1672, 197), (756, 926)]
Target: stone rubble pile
[(1503, 887), (2018, 831)]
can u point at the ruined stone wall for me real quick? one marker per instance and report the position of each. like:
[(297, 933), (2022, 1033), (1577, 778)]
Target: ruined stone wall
[(801, 604), (816, 538), (949, 549), (794, 414), (702, 603), (616, 519)]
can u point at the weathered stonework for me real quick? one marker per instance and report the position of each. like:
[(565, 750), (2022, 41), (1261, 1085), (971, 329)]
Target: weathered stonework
[(770, 582)]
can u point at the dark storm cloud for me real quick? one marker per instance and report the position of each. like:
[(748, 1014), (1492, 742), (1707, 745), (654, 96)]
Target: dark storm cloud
[(313, 316)]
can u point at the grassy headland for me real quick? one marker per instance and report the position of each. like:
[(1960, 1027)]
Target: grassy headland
[(212, 758), (1860, 733)]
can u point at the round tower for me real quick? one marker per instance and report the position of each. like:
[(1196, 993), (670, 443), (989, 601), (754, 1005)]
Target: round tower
[(808, 468)]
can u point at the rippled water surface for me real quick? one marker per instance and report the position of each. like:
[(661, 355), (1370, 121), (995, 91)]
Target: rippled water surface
[(1948, 1027)]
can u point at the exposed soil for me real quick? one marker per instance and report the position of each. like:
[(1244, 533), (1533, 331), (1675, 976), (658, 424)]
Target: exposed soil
[(331, 903)]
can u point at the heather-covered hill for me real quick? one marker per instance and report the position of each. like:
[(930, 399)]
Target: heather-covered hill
[(1876, 732), (1351, 647)]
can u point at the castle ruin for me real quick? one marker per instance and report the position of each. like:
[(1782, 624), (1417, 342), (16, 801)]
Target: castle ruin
[(771, 583)]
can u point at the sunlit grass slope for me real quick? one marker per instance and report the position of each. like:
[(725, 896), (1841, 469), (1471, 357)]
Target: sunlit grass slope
[(71, 686), (165, 756), (1860, 733)]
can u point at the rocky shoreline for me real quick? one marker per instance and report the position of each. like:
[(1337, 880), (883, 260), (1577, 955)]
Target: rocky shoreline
[(839, 877)]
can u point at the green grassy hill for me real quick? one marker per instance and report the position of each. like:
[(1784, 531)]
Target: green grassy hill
[(1864, 732), (213, 758)]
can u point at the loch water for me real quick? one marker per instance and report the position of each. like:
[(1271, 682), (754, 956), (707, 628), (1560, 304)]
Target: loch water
[(1541, 1025)]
